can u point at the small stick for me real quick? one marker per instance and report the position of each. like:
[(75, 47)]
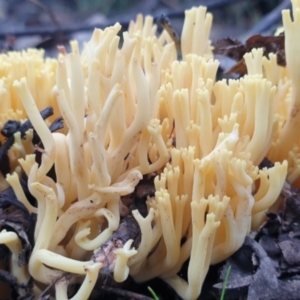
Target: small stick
[(165, 22)]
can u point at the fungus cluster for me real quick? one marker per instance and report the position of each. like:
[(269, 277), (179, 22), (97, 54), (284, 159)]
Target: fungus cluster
[(135, 110)]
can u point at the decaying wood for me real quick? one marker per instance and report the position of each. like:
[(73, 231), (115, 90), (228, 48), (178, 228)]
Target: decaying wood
[(128, 229)]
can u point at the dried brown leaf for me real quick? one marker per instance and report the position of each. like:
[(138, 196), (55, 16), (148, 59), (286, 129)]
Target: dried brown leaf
[(236, 50)]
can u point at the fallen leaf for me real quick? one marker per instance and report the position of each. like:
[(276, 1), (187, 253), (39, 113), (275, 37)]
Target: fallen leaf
[(236, 50)]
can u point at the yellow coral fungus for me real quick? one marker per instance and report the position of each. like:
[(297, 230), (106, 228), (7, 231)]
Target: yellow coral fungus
[(135, 111)]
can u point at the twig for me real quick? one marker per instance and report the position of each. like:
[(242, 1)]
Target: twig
[(124, 294), (124, 21), (128, 229), (270, 19), (47, 290), (172, 4), (46, 9), (166, 24)]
